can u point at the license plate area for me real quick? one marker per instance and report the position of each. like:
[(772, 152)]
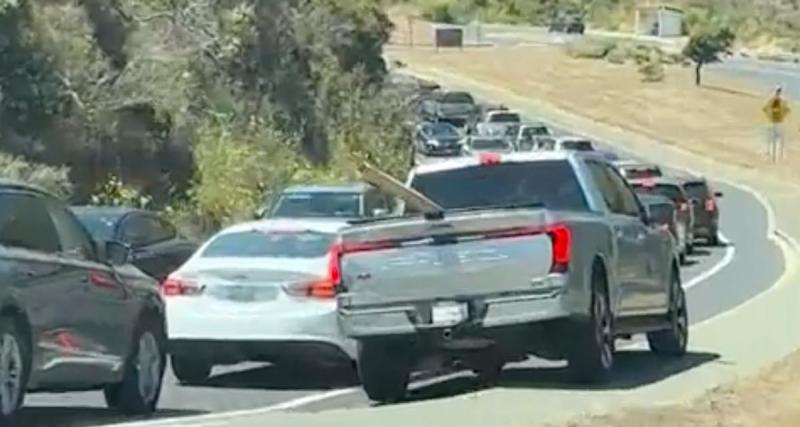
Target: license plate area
[(449, 313)]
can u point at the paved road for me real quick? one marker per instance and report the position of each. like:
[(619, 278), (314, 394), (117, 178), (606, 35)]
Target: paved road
[(743, 222)]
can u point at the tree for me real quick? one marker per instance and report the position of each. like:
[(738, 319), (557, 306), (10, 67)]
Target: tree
[(706, 45)]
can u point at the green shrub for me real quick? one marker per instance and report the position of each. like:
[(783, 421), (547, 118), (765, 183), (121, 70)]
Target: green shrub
[(589, 49), (620, 54), (114, 192), (439, 11), (53, 179)]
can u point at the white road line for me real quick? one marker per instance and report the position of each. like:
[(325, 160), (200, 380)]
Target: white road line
[(730, 251)]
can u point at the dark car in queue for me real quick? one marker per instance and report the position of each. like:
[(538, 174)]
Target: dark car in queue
[(706, 209), (349, 201), (441, 138), (569, 23), (664, 216), (673, 190), (157, 247), (76, 316)]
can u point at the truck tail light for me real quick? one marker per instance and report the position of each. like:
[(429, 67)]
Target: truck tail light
[(176, 285), (711, 205), (488, 159), (561, 238)]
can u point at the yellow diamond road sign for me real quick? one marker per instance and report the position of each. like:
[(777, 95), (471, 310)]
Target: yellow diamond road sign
[(776, 110)]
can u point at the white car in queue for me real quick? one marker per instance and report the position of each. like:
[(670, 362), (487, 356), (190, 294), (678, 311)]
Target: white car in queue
[(259, 291)]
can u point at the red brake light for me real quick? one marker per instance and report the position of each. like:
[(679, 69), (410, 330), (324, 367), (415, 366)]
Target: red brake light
[(561, 238), (711, 205), (487, 159), (178, 286)]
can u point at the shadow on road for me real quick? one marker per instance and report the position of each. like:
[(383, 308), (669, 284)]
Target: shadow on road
[(277, 377), (633, 369), (76, 416)]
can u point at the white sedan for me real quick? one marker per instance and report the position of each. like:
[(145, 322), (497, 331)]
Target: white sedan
[(259, 291)]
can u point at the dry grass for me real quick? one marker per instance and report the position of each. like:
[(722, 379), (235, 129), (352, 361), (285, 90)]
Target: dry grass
[(721, 120)]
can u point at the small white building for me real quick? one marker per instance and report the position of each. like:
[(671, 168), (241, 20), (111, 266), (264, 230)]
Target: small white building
[(659, 21)]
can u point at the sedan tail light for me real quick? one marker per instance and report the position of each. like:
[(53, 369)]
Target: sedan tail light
[(180, 286)]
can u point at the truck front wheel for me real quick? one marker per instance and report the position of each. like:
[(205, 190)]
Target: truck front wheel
[(384, 368)]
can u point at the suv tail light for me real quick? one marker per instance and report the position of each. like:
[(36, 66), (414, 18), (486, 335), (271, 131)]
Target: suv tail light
[(683, 205), (711, 204), (175, 285), (488, 159)]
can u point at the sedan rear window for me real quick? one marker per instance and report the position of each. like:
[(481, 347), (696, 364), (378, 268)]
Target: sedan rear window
[(269, 244), (662, 213), (457, 98), (505, 118), (552, 183), (640, 172), (672, 192), (577, 145), (489, 144)]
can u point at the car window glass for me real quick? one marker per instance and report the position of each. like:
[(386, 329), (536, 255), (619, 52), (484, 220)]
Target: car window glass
[(605, 186), (140, 230), (75, 240), (628, 203), (696, 190), (25, 224)]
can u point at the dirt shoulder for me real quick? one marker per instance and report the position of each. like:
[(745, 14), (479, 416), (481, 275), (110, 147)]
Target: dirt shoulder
[(717, 129)]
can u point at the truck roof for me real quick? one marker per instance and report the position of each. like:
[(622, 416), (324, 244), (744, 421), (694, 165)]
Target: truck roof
[(353, 187), (518, 157)]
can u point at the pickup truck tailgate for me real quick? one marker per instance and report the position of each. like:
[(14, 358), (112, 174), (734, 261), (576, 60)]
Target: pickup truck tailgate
[(466, 255)]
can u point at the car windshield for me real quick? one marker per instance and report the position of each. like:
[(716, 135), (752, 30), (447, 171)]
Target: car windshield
[(696, 190), (552, 183), (456, 98), (442, 130), (504, 118), (318, 204), (269, 244), (577, 145), (100, 226), (489, 144), (639, 172)]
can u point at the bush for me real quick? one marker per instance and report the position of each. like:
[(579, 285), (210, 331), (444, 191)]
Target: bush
[(620, 54), (114, 192), (439, 11), (653, 69), (589, 49), (53, 179)]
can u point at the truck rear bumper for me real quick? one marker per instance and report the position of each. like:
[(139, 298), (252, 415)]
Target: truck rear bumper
[(547, 302)]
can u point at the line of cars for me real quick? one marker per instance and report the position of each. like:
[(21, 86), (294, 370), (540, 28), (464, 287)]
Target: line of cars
[(474, 262)]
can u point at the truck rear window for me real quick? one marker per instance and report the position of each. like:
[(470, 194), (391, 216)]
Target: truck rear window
[(505, 118), (551, 182)]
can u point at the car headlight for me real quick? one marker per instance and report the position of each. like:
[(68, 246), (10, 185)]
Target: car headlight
[(433, 142)]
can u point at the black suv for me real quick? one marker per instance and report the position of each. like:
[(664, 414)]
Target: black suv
[(74, 315)]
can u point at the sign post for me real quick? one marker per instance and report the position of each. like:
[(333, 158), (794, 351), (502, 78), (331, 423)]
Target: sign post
[(776, 111)]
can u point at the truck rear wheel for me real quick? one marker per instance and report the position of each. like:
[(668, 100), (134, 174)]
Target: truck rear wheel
[(384, 369), (673, 341), (591, 349)]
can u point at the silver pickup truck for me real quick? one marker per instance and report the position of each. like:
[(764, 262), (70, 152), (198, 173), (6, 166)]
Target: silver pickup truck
[(504, 256)]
